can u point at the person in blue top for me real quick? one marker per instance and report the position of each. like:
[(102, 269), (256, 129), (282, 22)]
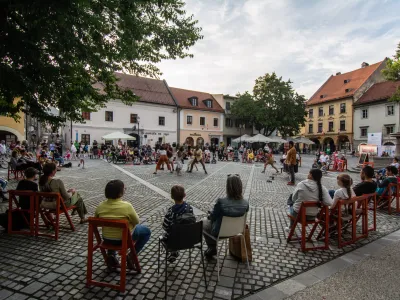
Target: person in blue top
[(383, 183)]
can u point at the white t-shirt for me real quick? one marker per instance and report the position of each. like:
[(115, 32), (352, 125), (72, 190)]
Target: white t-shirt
[(341, 194), (163, 152), (322, 158), (73, 148), (2, 149), (395, 165)]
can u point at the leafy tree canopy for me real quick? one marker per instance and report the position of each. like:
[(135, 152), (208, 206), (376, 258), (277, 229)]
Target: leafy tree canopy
[(392, 72), (273, 105), (53, 52)]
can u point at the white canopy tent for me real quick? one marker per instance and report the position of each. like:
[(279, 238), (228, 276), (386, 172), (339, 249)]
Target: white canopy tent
[(243, 138), (304, 141), (118, 136), (277, 139), (259, 138)]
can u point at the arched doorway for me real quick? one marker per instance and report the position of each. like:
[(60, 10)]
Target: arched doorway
[(389, 144), (8, 137), (343, 142), (329, 145), (317, 144), (200, 142), (189, 141), (136, 143), (215, 141)]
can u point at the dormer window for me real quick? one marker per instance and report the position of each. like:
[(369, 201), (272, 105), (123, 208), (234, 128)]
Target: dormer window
[(322, 96), (347, 90), (193, 101), (208, 103), (346, 81)]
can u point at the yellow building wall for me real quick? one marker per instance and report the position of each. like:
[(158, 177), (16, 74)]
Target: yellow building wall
[(17, 128)]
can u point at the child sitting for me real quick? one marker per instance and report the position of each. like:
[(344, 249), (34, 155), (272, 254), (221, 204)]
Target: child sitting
[(315, 165), (345, 192), (116, 209), (180, 213), (324, 168)]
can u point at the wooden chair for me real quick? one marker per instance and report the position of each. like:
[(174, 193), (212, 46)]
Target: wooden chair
[(18, 174), (47, 214), (17, 208), (359, 211), (126, 243), (371, 200), (322, 220), (390, 193)]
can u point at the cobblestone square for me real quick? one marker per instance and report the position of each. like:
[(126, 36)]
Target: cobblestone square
[(41, 268)]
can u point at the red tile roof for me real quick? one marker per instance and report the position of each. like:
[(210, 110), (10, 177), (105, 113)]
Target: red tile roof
[(336, 88), (148, 89), (379, 91), (182, 97)]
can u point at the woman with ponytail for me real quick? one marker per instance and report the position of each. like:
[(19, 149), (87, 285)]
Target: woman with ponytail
[(48, 184), (310, 189), (345, 192)]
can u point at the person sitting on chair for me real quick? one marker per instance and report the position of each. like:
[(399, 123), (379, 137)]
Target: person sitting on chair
[(180, 213), (367, 184), (383, 183), (117, 209), (232, 206)]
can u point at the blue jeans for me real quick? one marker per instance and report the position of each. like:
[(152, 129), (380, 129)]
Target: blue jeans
[(331, 193), (382, 171), (140, 236), (293, 213), (60, 160), (3, 183)]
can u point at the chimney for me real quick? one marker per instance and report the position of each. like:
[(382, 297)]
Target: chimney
[(364, 64), (338, 73)]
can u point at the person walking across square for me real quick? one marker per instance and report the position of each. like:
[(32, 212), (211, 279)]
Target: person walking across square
[(291, 162)]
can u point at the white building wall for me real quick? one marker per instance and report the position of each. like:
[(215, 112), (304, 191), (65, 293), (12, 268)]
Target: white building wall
[(376, 121), (149, 123)]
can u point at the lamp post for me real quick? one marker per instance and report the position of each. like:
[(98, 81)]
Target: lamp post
[(240, 132)]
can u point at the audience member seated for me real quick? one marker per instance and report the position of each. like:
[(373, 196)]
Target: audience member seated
[(117, 209), (315, 165), (310, 189), (58, 158), (250, 156), (394, 163), (391, 172), (345, 192), (3, 190), (49, 184), (231, 206), (367, 184), (180, 213)]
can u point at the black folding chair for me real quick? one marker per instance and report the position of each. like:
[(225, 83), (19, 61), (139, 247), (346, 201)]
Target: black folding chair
[(182, 237)]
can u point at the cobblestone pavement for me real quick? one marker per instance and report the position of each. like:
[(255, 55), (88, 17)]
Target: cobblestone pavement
[(40, 268)]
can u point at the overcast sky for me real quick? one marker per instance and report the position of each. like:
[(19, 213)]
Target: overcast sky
[(304, 40)]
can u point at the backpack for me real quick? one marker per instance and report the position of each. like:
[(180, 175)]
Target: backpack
[(186, 218), (68, 165)]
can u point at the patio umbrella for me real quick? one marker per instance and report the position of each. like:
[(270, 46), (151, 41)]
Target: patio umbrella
[(118, 136), (243, 138), (304, 141), (277, 139), (259, 138)]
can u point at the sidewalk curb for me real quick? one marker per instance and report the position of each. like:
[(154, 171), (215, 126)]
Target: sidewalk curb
[(304, 280)]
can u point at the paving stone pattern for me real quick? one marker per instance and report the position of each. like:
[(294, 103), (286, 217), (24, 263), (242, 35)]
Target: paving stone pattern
[(40, 268)]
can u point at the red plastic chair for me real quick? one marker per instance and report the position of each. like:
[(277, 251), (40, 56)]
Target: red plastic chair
[(47, 215), (13, 199), (390, 193), (126, 243), (18, 174), (359, 211), (322, 220)]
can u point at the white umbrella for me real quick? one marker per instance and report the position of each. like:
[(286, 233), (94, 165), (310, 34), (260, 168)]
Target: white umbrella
[(304, 141), (259, 138), (277, 139), (118, 136), (243, 138)]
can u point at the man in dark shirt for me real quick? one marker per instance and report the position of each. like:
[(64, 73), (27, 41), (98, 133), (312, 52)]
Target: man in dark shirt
[(27, 184), (367, 184)]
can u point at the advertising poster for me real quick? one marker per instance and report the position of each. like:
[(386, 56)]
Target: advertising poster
[(375, 138), (369, 149)]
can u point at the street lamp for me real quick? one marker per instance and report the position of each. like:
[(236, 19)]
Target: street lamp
[(240, 132)]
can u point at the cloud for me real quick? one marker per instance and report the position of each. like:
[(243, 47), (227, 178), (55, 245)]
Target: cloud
[(303, 40)]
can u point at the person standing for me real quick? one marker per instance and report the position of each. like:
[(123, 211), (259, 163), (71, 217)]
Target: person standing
[(291, 162), (198, 157), (163, 159), (73, 151)]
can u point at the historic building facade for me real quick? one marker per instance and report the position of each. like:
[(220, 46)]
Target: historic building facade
[(330, 110)]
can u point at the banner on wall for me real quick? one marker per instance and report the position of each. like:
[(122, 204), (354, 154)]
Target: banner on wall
[(389, 150), (375, 138), (369, 149)]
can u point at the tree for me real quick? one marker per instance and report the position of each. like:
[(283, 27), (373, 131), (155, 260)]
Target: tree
[(64, 53), (392, 72), (274, 105)]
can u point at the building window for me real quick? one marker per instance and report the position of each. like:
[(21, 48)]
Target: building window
[(85, 138), (134, 118), (228, 106), (331, 110), (389, 129), (310, 128), (193, 101), (215, 122), (208, 103), (86, 115), (364, 131), (161, 121), (228, 122), (311, 113), (342, 125), (189, 120), (319, 127), (330, 126), (202, 121), (390, 110), (342, 108), (320, 112), (109, 116), (364, 113)]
